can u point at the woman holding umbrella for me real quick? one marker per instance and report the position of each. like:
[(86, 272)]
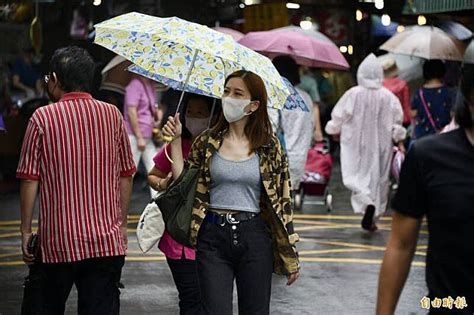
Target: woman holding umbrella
[(242, 218)]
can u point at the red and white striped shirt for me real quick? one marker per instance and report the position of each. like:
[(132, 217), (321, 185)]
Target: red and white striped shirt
[(77, 149)]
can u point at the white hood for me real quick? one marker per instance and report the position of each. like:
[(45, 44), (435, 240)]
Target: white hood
[(370, 73)]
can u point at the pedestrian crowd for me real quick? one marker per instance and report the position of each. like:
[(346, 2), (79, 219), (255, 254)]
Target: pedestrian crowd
[(80, 154)]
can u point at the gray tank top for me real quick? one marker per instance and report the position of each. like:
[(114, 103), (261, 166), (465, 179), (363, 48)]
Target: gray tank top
[(235, 185)]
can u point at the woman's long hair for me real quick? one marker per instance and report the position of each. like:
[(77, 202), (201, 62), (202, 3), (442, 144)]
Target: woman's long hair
[(258, 128), (463, 114)]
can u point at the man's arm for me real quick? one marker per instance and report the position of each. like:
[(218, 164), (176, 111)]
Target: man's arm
[(28, 192), (126, 185), (396, 262)]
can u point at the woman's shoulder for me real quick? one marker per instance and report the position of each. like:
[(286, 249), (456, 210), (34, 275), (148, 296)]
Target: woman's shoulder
[(133, 85)]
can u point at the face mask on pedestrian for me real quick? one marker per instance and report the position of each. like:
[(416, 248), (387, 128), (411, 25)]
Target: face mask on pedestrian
[(196, 125), (234, 108)]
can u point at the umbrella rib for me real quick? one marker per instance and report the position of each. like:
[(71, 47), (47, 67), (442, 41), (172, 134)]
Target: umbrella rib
[(187, 79)]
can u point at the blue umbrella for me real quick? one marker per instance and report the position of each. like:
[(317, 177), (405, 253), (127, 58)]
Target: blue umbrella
[(293, 102), (456, 29)]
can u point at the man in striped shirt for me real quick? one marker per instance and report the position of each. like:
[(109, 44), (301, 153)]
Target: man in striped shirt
[(77, 153)]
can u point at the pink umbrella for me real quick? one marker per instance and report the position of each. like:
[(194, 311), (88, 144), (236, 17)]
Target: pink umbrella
[(229, 31), (306, 50)]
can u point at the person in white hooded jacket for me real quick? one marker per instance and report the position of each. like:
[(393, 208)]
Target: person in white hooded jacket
[(368, 119)]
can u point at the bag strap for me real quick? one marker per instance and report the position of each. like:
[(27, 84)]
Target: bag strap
[(427, 110), (150, 105)]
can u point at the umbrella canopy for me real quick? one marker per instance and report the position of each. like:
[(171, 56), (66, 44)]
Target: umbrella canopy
[(187, 52), (456, 29), (117, 60), (426, 42), (469, 54), (409, 68), (313, 33), (306, 50), (293, 102), (236, 35)]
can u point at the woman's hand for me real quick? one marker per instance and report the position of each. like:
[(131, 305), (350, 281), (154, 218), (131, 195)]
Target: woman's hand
[(292, 277), (173, 128), (164, 183)]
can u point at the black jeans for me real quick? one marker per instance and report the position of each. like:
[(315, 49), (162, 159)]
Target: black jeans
[(185, 277), (242, 252), (96, 280)]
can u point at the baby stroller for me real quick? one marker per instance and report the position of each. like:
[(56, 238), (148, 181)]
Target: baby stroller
[(315, 181)]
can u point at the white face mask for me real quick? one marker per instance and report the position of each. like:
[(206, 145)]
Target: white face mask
[(233, 108), (196, 125)]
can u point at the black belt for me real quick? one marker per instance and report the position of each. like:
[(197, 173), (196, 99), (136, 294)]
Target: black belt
[(229, 218)]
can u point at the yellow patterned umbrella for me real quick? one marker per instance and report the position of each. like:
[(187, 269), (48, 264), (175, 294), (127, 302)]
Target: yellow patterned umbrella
[(186, 52)]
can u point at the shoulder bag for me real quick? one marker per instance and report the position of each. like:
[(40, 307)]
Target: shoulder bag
[(176, 203)]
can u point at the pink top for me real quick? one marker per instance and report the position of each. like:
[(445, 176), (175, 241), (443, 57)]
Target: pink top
[(142, 95), (400, 88), (168, 245)]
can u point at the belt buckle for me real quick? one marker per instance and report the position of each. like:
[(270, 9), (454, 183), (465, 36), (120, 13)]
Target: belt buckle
[(229, 217)]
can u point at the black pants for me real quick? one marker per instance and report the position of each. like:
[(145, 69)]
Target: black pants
[(242, 252), (185, 277), (96, 281)]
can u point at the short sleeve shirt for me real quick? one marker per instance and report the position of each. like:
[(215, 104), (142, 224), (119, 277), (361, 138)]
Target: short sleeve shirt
[(439, 102), (437, 180), (142, 96), (77, 149)]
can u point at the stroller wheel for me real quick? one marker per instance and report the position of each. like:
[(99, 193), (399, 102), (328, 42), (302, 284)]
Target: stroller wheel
[(329, 202), (298, 200)]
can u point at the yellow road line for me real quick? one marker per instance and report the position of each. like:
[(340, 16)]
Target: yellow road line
[(337, 243), (334, 217), (10, 235), (10, 247), (9, 228), (354, 260), (145, 258), (337, 250), (10, 254), (14, 222), (12, 263)]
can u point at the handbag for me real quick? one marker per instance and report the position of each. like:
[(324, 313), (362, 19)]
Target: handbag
[(176, 203), (397, 161), (150, 227)]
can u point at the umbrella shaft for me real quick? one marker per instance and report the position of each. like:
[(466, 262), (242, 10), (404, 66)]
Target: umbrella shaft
[(187, 79)]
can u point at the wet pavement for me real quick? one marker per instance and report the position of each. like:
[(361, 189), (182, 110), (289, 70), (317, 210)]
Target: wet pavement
[(340, 264)]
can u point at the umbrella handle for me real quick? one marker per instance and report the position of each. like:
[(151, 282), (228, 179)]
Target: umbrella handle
[(167, 138)]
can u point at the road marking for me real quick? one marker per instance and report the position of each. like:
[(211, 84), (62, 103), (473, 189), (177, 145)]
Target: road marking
[(337, 250), (12, 263), (11, 254), (10, 234), (354, 260)]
